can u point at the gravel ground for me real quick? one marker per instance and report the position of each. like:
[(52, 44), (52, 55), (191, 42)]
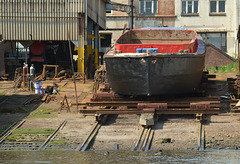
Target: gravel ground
[(221, 131)]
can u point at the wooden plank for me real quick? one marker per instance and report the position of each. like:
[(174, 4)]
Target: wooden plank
[(139, 138), (149, 140)]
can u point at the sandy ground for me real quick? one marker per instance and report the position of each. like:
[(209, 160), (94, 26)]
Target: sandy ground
[(221, 131)]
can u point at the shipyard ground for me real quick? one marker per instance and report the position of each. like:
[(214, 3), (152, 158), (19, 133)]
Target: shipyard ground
[(119, 132)]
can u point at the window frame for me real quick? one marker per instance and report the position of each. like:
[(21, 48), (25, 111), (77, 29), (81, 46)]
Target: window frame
[(192, 13), (223, 35), (217, 13), (154, 7)]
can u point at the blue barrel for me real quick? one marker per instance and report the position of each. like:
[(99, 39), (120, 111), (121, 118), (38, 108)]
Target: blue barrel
[(144, 50), (139, 50), (152, 50)]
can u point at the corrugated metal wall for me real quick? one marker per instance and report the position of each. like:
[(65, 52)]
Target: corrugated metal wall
[(39, 19)]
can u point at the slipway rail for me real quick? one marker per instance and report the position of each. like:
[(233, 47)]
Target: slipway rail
[(9, 131), (51, 137), (93, 132), (144, 140)]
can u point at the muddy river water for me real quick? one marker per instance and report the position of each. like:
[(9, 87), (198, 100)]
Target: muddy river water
[(214, 156)]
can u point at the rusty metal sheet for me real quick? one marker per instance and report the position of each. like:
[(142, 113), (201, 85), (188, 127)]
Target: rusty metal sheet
[(136, 111), (104, 96), (157, 106), (169, 75), (200, 106)]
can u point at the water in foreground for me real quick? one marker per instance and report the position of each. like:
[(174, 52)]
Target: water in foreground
[(216, 156)]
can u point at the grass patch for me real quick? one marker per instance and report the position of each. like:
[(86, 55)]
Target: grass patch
[(30, 134), (42, 112), (230, 68), (59, 142), (15, 138), (83, 94), (91, 88), (33, 131), (2, 94)]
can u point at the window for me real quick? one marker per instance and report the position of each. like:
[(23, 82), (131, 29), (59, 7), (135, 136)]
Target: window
[(217, 6), (217, 39), (107, 8), (148, 7), (106, 42), (189, 7)]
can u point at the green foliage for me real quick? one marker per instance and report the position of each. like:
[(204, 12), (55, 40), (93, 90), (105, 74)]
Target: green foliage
[(42, 112), (212, 70), (33, 131), (230, 68)]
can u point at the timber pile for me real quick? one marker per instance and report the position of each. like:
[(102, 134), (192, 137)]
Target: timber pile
[(47, 98), (18, 78), (234, 90), (235, 105), (234, 85), (45, 73), (65, 74)]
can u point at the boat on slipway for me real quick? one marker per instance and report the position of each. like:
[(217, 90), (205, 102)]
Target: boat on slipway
[(156, 61)]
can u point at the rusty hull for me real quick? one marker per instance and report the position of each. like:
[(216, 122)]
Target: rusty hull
[(154, 75)]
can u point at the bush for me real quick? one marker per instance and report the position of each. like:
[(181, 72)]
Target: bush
[(230, 68)]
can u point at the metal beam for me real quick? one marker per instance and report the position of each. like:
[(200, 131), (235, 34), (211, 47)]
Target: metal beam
[(136, 111), (135, 103)]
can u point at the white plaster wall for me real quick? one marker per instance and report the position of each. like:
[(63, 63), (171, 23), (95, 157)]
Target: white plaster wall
[(206, 23), (117, 22)]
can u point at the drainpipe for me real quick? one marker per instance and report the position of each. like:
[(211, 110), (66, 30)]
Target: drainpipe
[(238, 38), (132, 14)]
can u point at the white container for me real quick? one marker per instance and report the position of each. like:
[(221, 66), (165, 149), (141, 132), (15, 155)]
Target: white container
[(38, 85), (42, 91), (37, 90)]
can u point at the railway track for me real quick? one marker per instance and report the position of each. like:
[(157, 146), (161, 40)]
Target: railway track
[(25, 145), (93, 132), (51, 137), (201, 134), (9, 130), (144, 140), (16, 145)]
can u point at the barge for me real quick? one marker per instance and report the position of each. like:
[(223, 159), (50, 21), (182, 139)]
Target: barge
[(156, 61)]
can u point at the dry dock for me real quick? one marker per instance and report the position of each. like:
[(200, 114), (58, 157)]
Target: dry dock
[(116, 132)]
